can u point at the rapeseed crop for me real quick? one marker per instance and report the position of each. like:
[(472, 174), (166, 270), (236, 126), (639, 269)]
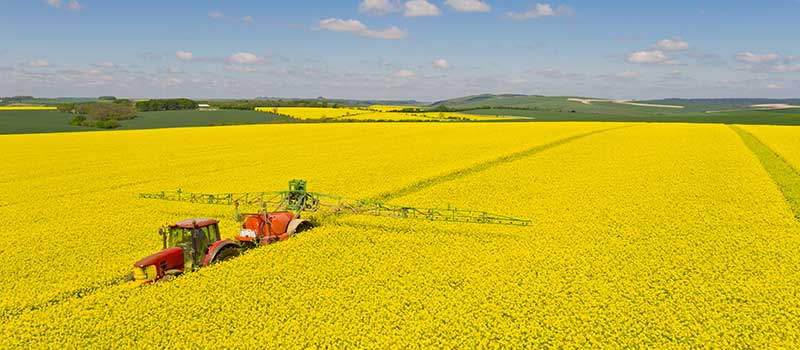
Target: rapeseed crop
[(644, 235), (27, 108)]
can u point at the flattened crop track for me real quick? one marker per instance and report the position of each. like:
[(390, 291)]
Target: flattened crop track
[(486, 165)]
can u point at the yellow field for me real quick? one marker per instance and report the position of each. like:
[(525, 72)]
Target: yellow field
[(378, 113), (27, 108), (644, 235), (387, 108)]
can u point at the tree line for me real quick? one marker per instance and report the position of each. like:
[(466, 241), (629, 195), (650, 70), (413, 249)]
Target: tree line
[(171, 104)]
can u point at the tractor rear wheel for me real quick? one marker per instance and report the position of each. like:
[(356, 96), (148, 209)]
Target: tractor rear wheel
[(304, 226), (226, 254)]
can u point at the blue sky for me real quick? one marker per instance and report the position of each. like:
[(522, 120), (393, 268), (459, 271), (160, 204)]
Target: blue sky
[(392, 49)]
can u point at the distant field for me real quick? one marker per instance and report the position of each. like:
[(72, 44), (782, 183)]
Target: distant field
[(378, 113), (26, 122), (176, 119)]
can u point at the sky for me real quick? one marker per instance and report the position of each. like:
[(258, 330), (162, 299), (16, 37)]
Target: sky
[(425, 50)]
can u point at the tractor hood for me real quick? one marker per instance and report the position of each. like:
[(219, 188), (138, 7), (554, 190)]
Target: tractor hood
[(166, 259)]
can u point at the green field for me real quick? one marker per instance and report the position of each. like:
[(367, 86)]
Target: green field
[(29, 122)]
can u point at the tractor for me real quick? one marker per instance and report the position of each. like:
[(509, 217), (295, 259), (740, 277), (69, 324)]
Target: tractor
[(195, 243)]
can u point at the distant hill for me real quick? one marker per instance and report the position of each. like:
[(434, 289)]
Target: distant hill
[(600, 106)]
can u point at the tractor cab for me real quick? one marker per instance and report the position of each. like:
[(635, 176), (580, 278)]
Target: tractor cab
[(187, 245), (193, 236)]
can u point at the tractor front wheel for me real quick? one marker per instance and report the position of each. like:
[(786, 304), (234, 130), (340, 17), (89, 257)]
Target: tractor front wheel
[(170, 275)]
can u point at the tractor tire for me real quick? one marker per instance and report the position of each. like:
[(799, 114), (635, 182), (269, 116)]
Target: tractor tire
[(303, 225), (226, 254)]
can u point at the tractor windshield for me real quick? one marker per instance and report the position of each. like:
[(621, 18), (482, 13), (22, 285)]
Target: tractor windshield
[(180, 237)]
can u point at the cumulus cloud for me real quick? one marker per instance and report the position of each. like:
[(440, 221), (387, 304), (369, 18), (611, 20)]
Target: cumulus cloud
[(184, 55), (248, 19), (749, 57), (247, 58), (541, 11), (405, 74), (441, 64), (377, 7), (38, 64), (356, 27), (216, 15), (650, 57), (674, 44), (468, 5), (421, 8), (53, 3)]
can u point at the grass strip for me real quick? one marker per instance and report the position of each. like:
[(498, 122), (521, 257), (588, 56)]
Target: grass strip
[(786, 176)]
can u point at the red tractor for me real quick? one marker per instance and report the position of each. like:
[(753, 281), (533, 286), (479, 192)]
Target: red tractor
[(194, 243)]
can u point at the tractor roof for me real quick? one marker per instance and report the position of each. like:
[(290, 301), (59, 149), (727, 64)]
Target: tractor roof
[(194, 223)]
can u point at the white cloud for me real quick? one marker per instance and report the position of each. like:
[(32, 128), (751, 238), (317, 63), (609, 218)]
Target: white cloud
[(421, 8), (356, 27), (74, 5), (377, 7), (247, 58), (441, 64), (650, 57), (749, 57), (248, 19), (774, 86), (541, 11), (38, 64), (54, 3), (404, 73), (216, 15), (468, 5), (184, 55), (675, 44)]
